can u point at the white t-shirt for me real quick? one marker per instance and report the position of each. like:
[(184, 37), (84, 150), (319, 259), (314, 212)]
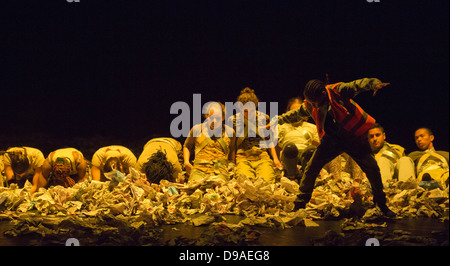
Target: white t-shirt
[(302, 134)]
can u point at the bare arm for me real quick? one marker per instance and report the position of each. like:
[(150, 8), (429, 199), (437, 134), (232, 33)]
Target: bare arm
[(189, 144), (232, 152), (274, 155), (95, 173), (38, 180), (9, 173), (41, 180), (81, 167)]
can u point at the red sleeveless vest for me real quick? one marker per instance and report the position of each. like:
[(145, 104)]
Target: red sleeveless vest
[(347, 113)]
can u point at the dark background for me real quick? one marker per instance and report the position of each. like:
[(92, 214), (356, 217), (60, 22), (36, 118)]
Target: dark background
[(97, 73)]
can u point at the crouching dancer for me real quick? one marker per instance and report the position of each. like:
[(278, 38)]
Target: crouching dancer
[(64, 167), (114, 157), (342, 126), (160, 159), (22, 164)]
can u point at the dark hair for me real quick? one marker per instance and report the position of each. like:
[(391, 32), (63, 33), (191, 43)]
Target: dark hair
[(313, 89), (427, 129), (248, 95), (292, 101), (114, 163), (19, 161), (157, 168), (377, 125)]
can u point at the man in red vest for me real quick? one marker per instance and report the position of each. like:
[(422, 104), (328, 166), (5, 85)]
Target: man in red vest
[(342, 126)]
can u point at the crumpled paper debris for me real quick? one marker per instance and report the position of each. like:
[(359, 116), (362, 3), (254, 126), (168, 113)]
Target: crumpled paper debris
[(102, 230), (342, 197), (202, 220), (166, 203), (115, 175), (350, 224), (407, 199), (220, 233), (333, 197), (261, 203)]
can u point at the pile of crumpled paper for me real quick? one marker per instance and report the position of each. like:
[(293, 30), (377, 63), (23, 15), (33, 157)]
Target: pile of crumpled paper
[(347, 197), (201, 201), (166, 203), (408, 199), (334, 198)]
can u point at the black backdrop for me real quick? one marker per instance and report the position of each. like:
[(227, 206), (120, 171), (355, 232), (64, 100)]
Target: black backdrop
[(97, 73)]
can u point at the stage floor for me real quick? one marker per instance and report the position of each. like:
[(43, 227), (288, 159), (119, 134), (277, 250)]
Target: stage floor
[(401, 232)]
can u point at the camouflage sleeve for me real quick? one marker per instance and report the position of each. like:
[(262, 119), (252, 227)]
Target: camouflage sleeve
[(291, 116), (351, 89)]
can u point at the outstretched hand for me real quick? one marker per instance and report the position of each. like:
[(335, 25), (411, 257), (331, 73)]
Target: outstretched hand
[(379, 86)]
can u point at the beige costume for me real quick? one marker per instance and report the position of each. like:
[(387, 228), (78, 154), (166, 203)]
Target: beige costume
[(211, 152), (171, 147)]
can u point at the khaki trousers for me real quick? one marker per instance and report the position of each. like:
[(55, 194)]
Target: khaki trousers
[(258, 168)]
